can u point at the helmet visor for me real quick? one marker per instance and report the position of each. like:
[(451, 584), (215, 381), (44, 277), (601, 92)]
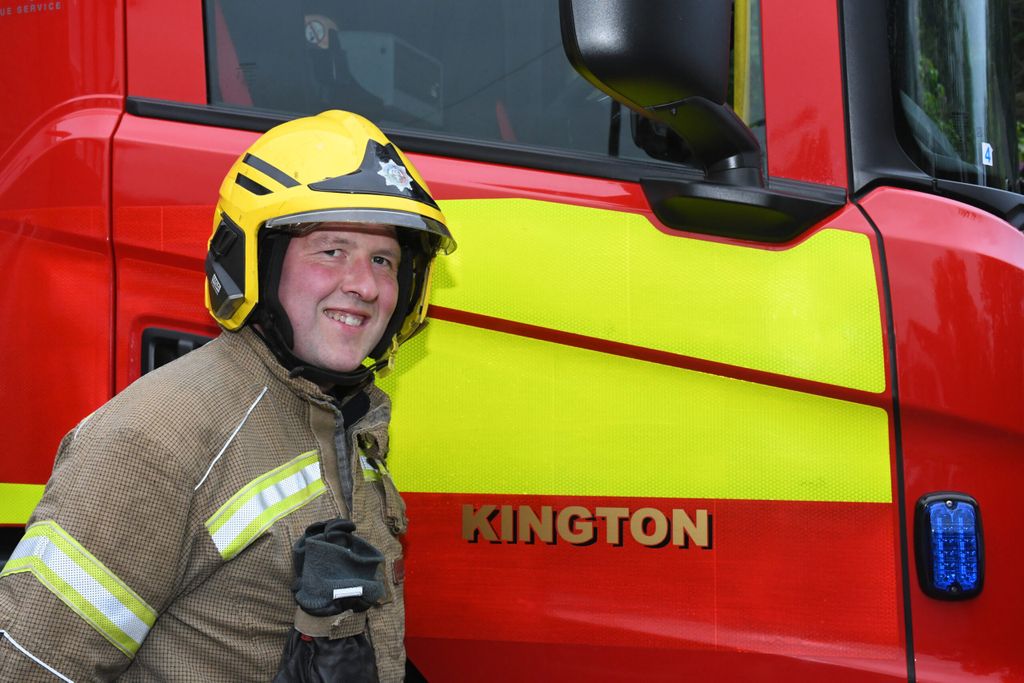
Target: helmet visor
[(308, 221)]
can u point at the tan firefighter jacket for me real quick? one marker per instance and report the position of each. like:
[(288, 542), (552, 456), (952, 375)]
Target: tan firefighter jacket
[(161, 549)]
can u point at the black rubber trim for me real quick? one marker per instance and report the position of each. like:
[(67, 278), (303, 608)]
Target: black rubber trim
[(270, 171), (548, 159), (897, 427), (223, 117)]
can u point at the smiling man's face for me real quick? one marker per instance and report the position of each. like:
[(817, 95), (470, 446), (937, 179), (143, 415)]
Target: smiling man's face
[(339, 285)]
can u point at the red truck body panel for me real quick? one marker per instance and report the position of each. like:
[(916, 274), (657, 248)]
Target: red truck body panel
[(63, 105), (957, 283)]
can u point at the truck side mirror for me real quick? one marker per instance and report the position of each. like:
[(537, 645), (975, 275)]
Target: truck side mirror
[(667, 60)]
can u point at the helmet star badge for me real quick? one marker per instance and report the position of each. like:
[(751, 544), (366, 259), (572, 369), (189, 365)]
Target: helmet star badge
[(395, 175)]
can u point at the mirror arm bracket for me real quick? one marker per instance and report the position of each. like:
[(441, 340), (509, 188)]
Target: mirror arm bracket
[(776, 214)]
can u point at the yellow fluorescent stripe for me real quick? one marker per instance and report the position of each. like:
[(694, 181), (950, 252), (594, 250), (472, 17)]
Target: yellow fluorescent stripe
[(266, 519), (263, 501), (94, 568), (810, 311), (477, 411), (17, 502), (84, 584), (253, 488)]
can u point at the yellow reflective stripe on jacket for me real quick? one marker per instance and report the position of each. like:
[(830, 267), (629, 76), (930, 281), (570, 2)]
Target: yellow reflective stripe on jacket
[(81, 581), (809, 311), (17, 502), (537, 418), (263, 501)]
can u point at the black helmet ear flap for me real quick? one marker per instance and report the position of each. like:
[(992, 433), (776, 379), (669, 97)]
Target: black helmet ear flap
[(225, 268), (270, 314), (404, 301)]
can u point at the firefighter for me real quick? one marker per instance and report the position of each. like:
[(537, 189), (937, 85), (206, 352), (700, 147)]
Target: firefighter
[(235, 504)]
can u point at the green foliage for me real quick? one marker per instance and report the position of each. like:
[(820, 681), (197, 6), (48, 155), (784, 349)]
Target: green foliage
[(935, 102)]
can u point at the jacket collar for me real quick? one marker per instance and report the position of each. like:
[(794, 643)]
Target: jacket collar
[(252, 353)]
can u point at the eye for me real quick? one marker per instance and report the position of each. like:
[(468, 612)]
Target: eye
[(383, 261)]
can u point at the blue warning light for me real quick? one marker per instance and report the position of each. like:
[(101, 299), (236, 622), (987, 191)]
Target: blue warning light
[(949, 546)]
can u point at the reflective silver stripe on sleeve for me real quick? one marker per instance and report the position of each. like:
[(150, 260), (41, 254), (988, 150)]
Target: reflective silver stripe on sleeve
[(263, 501), (81, 581)]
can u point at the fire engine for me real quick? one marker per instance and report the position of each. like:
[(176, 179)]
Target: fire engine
[(725, 380)]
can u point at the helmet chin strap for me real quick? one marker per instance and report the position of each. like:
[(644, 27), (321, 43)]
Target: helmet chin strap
[(352, 380), (274, 328)]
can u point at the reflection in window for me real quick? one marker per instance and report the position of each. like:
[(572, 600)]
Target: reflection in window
[(953, 74), (489, 71)]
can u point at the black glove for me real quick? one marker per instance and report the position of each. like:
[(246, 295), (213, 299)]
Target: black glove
[(321, 660), (335, 570)]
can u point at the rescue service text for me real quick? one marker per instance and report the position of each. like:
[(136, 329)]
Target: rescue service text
[(31, 8), (580, 526)]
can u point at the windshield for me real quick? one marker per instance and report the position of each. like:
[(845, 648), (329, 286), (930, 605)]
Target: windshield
[(953, 69)]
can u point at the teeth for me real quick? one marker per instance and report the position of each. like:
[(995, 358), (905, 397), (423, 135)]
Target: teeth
[(346, 318)]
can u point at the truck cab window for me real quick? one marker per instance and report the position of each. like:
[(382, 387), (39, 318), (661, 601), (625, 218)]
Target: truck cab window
[(955, 89), (493, 72)]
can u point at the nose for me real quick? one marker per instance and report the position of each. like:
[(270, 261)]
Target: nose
[(358, 279)]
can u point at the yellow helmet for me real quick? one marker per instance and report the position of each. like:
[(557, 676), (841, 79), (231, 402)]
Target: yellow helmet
[(335, 166)]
